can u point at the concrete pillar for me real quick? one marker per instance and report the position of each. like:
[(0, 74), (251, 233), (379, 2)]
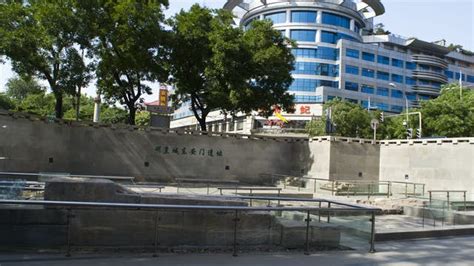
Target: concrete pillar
[(96, 118), (352, 26), (318, 36), (288, 16), (319, 17)]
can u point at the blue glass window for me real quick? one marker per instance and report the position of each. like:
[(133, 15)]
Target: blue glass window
[(383, 60), (368, 56), (357, 27), (410, 81), (277, 18), (303, 35), (383, 75), (352, 70), (411, 96), (310, 68), (380, 106), (352, 100), (424, 67), (308, 99), (370, 73), (449, 74), (410, 65), (328, 37), (330, 97), (303, 16), (424, 97), (382, 92), (322, 53), (397, 94), (397, 63), (331, 37), (437, 69), (397, 108), (397, 78), (328, 53), (365, 104), (458, 75), (336, 20), (352, 53), (367, 89), (352, 86), (470, 79), (311, 84)]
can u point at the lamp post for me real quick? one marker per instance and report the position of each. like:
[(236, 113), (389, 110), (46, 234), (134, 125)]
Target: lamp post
[(406, 99)]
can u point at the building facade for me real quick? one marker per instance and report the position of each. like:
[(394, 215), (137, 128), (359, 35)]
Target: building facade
[(338, 55)]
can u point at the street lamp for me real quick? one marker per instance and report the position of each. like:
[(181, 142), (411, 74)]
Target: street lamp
[(391, 84)]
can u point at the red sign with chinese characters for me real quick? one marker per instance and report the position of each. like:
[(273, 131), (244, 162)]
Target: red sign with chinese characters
[(305, 110)]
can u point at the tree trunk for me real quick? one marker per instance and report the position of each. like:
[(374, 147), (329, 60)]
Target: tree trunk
[(58, 108), (132, 111), (202, 123)]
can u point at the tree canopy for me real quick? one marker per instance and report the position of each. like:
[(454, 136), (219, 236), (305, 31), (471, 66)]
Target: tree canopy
[(41, 39), (18, 88), (216, 66), (129, 46)]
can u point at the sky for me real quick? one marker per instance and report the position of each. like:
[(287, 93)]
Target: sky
[(429, 20)]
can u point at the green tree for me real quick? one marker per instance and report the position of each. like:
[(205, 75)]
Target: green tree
[(449, 115), (41, 104), (5, 102), (19, 88), (39, 37), (128, 43), (143, 118), (316, 127), (347, 119), (217, 66)]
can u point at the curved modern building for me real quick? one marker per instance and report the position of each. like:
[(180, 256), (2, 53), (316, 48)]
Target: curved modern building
[(338, 55)]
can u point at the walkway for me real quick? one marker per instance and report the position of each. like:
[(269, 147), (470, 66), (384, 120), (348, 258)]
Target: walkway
[(441, 251)]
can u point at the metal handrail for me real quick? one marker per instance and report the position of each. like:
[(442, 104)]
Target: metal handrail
[(134, 206)]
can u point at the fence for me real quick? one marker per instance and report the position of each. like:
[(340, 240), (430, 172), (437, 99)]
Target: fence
[(188, 225), (349, 188)]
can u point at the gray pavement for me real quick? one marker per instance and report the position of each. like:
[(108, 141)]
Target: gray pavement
[(440, 251)]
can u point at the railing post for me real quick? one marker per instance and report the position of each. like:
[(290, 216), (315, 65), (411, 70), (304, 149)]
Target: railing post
[(236, 220), (423, 215), (68, 218), (368, 191), (406, 190), (155, 242), (423, 187), (447, 196), (389, 184), (465, 208), (251, 195), (329, 213), (307, 220), (429, 192), (315, 185), (208, 185), (372, 233), (279, 194), (319, 213), (414, 190)]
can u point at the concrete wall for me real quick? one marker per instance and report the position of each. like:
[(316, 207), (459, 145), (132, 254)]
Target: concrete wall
[(158, 155), (440, 164), (37, 146)]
